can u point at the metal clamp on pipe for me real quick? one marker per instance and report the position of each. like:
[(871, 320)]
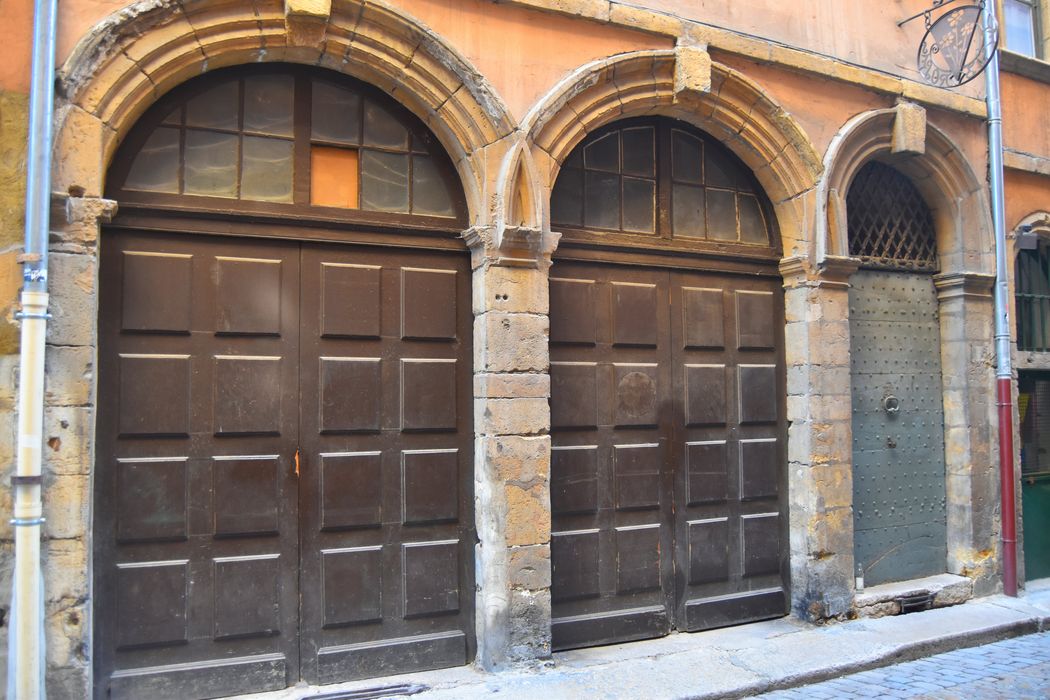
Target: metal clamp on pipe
[(27, 522), (19, 315)]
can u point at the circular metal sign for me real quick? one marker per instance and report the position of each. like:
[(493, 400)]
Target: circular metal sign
[(958, 46)]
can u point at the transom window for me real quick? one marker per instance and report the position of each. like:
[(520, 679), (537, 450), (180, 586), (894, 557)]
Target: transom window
[(287, 136), (889, 224), (659, 178)]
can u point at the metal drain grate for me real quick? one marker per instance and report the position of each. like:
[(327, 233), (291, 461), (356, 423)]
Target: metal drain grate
[(915, 603), (386, 691)]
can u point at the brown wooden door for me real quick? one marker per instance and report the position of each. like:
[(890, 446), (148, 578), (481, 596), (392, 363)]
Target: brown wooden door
[(667, 430), (387, 524), (283, 477)]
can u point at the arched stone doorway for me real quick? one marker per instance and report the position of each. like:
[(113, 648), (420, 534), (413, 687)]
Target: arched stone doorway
[(284, 471)]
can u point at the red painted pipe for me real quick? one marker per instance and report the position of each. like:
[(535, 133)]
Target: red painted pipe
[(1006, 483)]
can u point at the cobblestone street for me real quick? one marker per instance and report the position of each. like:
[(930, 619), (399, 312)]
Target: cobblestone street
[(1015, 668)]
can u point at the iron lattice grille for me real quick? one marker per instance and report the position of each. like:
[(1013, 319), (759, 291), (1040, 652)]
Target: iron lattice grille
[(1033, 300), (890, 226)]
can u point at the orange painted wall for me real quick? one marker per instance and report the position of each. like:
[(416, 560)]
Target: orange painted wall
[(1026, 104), (1026, 194), (16, 35)]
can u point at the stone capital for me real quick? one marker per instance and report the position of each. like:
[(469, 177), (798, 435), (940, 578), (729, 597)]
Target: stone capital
[(510, 246), (835, 271), (964, 285)]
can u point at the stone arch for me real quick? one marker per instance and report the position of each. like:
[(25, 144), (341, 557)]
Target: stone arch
[(733, 108), (137, 54), (942, 175)]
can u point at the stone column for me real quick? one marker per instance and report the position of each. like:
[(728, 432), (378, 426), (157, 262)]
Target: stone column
[(970, 424), (69, 426), (820, 480), (512, 447)]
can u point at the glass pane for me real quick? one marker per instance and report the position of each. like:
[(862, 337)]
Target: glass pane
[(216, 109), (384, 181), (686, 151), (752, 223), (687, 208), (266, 171), (429, 193), (156, 167), (639, 205), (575, 159), (602, 201), (638, 151), (721, 171), (174, 117), (1020, 27), (336, 114), (211, 164), (383, 129), (567, 198), (721, 215), (333, 177), (603, 154), (268, 104)]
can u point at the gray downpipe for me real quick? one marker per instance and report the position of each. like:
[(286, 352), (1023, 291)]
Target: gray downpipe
[(1004, 368), (25, 673)]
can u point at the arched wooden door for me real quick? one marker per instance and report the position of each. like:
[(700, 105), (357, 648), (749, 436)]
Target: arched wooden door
[(667, 390), (283, 485)]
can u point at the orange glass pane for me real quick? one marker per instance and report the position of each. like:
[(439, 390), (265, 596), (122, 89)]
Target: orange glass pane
[(333, 177)]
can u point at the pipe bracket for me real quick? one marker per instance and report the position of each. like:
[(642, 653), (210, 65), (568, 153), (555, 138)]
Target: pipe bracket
[(27, 522), (27, 480), (19, 315)]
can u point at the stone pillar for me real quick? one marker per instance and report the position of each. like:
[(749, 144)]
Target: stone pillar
[(69, 425), (512, 448), (970, 426), (820, 480)]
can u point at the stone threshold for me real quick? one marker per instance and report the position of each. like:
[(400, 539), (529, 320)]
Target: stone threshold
[(885, 599)]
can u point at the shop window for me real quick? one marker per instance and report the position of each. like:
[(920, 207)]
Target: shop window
[(287, 136), (1033, 299), (662, 179), (890, 226), (1021, 20)]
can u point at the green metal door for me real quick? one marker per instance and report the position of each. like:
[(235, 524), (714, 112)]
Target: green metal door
[(1034, 413)]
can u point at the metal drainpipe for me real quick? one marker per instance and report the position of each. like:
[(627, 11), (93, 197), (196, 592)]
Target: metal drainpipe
[(1004, 368), (26, 651)]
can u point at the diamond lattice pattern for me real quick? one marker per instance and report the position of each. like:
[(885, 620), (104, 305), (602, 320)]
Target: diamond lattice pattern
[(890, 226)]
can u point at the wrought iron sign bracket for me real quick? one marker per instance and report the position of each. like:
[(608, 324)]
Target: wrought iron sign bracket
[(957, 45)]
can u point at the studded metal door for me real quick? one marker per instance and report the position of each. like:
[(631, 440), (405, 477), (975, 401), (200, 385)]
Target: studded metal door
[(667, 431), (283, 487), (898, 426)]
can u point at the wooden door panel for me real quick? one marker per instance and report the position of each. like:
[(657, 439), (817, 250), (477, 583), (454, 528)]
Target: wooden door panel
[(386, 471), (195, 506), (610, 495), (667, 459)]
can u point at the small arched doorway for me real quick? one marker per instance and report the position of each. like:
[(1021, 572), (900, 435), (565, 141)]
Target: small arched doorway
[(900, 529), (283, 482), (667, 389)]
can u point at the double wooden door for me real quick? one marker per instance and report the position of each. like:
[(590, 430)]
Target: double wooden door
[(283, 481), (668, 484)]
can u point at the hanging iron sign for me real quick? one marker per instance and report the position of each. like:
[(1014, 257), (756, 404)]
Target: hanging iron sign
[(957, 45)]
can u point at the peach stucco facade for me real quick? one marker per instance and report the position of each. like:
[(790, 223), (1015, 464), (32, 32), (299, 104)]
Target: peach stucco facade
[(803, 93)]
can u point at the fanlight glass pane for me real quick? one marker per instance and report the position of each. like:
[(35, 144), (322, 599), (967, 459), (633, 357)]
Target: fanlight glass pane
[(721, 215), (686, 157), (333, 177), (602, 201), (156, 167), (218, 108), (211, 164), (430, 194), (687, 209), (638, 151), (266, 172), (639, 205), (268, 102), (384, 181), (752, 223), (336, 113), (383, 129), (720, 171), (567, 198), (603, 154)]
